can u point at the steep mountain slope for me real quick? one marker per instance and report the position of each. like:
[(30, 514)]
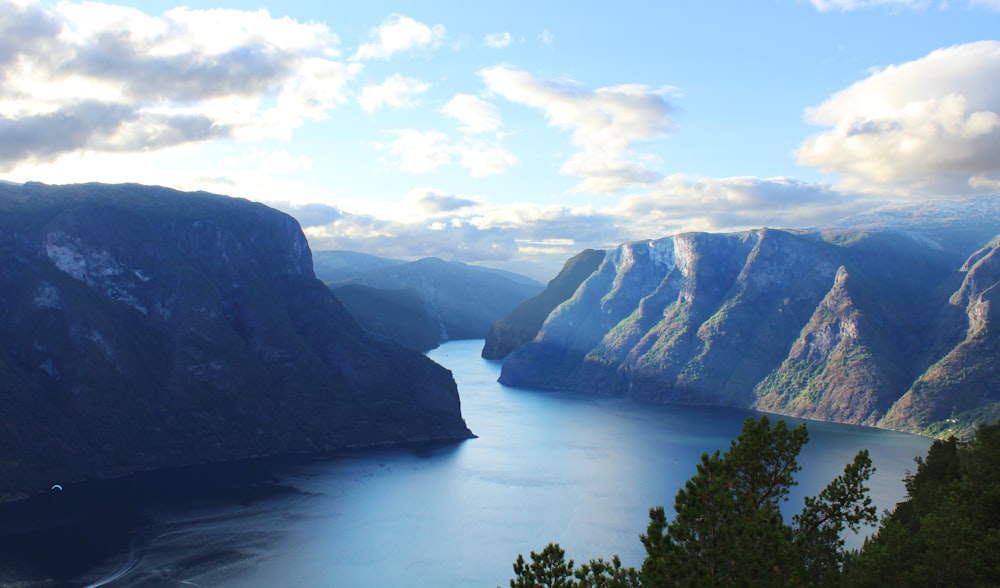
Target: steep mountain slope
[(523, 323), (964, 385), (462, 300), (142, 327), (399, 315), (834, 325)]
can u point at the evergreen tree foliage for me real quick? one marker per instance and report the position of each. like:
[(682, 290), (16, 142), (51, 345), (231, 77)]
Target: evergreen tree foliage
[(549, 569), (947, 531), (728, 529)]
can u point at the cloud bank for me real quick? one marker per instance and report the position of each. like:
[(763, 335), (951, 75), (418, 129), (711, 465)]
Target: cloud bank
[(536, 239), (923, 128), (102, 78)]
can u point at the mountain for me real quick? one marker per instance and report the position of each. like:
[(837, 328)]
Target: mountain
[(336, 266), (398, 315), (143, 328), (891, 324), (524, 322), (462, 301)]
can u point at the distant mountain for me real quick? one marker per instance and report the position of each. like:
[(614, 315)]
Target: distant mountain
[(462, 301), (143, 328), (524, 322), (891, 324), (336, 266)]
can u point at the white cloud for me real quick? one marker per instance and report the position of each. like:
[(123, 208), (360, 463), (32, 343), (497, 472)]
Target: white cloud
[(692, 203), (396, 90), (475, 114), (424, 151), (546, 38), (537, 238), (926, 127), (605, 124), (499, 40), (418, 151), (91, 77), (431, 201), (399, 33), (848, 5), (483, 159)]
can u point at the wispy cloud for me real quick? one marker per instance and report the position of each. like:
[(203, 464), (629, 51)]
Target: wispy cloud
[(484, 159), (397, 90), (397, 34), (424, 151), (499, 40), (435, 201), (475, 114), (102, 78), (896, 5), (605, 124), (847, 5), (925, 127), (417, 151)]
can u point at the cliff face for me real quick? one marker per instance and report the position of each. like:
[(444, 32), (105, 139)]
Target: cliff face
[(524, 322), (142, 327), (963, 386), (870, 327)]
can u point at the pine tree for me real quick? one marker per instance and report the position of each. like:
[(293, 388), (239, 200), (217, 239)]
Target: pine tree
[(728, 529)]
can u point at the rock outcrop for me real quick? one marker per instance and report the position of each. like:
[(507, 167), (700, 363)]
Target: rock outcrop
[(142, 328)]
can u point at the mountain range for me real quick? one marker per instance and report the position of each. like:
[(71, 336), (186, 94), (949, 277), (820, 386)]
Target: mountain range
[(886, 319), (143, 328), (423, 303)]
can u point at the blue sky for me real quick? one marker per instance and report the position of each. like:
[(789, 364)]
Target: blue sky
[(511, 134)]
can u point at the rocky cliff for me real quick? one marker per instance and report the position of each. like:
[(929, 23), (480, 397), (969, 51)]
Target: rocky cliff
[(524, 322), (875, 326), (142, 327)]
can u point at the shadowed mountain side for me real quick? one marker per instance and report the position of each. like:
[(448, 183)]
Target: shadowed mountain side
[(869, 327), (142, 327), (393, 315), (524, 322), (463, 301), (963, 386)]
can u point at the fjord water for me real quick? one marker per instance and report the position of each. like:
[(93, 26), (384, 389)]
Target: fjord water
[(579, 470)]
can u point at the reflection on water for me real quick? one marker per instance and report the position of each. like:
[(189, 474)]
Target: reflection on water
[(582, 471)]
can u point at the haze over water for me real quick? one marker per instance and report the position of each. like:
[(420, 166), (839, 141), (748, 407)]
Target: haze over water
[(579, 470)]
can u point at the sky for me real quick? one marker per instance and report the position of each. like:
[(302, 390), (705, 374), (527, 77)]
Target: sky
[(510, 134)]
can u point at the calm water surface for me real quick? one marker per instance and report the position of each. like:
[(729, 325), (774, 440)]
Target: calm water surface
[(579, 470)]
